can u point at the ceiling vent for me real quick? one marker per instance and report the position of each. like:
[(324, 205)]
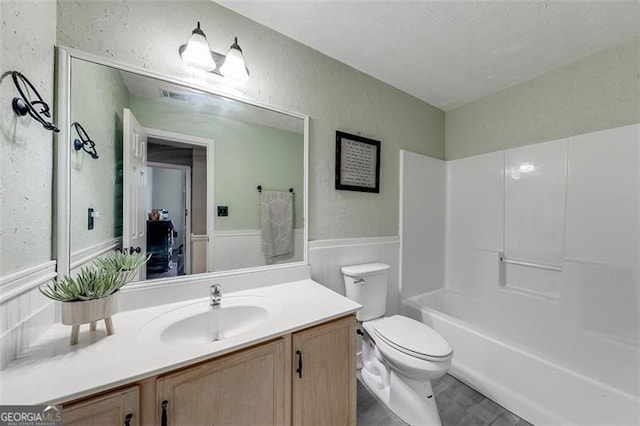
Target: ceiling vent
[(174, 95)]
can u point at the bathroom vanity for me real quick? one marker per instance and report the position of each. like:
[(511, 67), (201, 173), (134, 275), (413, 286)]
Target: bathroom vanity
[(297, 366), (291, 379), (287, 348)]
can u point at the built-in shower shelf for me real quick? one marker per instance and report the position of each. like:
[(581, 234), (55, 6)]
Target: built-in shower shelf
[(531, 279), (533, 294)]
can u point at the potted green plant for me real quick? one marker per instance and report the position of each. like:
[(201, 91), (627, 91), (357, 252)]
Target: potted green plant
[(92, 294), (124, 264)]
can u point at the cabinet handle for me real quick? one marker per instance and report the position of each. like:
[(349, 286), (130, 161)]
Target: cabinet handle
[(127, 419), (163, 422), (299, 369)]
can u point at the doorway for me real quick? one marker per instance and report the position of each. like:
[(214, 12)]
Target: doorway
[(179, 152), (173, 188), (168, 196)]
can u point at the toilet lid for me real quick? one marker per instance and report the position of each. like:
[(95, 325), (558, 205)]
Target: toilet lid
[(413, 338)]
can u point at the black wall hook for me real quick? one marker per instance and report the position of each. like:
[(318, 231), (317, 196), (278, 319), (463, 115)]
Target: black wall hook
[(36, 108), (85, 143)]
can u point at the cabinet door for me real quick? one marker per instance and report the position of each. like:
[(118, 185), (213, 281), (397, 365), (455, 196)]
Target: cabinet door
[(118, 408), (324, 374), (244, 388)]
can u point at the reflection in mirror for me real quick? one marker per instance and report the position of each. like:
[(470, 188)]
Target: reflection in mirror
[(177, 176)]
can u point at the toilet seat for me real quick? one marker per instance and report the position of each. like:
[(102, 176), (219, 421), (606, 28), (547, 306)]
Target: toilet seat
[(412, 338)]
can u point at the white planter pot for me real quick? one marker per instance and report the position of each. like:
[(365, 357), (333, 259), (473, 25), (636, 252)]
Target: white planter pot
[(89, 312)]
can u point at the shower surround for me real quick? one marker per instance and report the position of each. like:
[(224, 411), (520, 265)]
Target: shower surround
[(542, 282)]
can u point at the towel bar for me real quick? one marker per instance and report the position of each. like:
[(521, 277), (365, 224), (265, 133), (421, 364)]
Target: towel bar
[(259, 188)]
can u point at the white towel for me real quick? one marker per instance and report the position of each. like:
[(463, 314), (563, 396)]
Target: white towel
[(277, 223)]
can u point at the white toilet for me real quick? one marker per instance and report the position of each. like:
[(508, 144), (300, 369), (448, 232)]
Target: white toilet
[(400, 356)]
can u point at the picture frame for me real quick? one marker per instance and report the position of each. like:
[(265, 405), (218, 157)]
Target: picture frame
[(357, 163)]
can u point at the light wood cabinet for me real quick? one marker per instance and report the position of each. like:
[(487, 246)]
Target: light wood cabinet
[(324, 375), (304, 378), (119, 407), (244, 388)]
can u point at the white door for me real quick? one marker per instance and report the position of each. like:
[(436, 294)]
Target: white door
[(134, 167)]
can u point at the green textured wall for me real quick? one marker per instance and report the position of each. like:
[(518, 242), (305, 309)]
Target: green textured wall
[(598, 92), (98, 95), (285, 74), (26, 150), (261, 156)]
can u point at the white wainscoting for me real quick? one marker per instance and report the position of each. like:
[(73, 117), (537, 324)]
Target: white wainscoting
[(24, 312), (326, 257), (243, 248), (198, 254)]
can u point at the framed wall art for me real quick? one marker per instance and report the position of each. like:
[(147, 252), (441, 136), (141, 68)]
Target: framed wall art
[(357, 163)]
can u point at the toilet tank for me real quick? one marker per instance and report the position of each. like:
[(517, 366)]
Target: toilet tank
[(367, 285)]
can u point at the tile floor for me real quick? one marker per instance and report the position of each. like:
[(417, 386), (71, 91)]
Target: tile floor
[(459, 405)]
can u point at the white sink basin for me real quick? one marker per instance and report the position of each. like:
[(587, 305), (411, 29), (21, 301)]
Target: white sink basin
[(214, 324), (198, 323)]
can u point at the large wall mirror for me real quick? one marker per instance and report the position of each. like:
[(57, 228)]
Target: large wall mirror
[(203, 182)]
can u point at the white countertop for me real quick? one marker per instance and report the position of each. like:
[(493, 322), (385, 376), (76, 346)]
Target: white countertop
[(53, 372)]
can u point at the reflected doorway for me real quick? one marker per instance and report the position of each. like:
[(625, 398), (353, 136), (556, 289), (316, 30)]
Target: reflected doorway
[(168, 197), (177, 206)]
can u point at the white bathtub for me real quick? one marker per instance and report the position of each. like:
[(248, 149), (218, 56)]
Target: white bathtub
[(543, 372)]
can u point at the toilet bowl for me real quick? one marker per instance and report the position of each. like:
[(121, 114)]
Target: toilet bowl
[(400, 356), (415, 351)]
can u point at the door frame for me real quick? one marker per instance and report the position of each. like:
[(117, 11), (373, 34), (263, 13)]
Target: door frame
[(209, 145), (187, 191)]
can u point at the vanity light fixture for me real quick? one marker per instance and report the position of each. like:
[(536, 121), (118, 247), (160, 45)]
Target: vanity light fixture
[(234, 66), (85, 143), (30, 102), (197, 54)]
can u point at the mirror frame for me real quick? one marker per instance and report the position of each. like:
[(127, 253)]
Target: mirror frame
[(63, 164)]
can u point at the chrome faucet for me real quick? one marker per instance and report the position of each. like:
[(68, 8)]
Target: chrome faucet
[(215, 295)]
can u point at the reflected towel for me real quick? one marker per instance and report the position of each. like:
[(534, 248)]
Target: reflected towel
[(276, 219)]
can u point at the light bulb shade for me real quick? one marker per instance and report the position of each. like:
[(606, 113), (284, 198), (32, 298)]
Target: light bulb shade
[(234, 67), (196, 52)]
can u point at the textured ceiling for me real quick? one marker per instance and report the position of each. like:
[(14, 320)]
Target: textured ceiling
[(449, 53)]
